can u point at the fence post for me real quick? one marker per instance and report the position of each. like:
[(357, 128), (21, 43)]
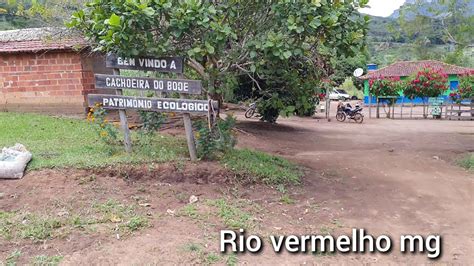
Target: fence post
[(377, 114), (401, 107), (370, 105)]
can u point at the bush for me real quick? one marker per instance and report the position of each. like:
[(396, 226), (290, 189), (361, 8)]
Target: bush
[(427, 82), (212, 144), (106, 131), (466, 86), (385, 86), (152, 121)]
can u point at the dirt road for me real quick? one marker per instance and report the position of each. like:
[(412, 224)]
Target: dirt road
[(388, 177)]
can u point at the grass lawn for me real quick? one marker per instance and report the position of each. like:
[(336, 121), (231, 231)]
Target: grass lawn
[(262, 167), (65, 142)]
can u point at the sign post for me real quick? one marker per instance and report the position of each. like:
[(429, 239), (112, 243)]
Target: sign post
[(188, 128), (127, 141), (180, 85)]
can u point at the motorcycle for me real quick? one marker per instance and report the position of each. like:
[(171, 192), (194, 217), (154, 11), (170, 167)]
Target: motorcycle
[(346, 110), (251, 110)]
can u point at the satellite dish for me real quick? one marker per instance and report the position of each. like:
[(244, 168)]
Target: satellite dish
[(358, 72)]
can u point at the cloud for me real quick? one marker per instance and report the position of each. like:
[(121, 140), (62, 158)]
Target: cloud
[(382, 8)]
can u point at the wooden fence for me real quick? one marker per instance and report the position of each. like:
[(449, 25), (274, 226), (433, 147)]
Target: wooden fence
[(431, 109)]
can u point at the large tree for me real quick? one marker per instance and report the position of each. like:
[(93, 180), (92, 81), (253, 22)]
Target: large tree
[(268, 41), (429, 23), (37, 13)]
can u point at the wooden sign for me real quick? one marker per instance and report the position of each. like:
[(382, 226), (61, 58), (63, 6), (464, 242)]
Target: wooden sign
[(184, 86), (163, 64), (151, 104)]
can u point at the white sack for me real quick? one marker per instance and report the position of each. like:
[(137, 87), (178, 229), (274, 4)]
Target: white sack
[(13, 161)]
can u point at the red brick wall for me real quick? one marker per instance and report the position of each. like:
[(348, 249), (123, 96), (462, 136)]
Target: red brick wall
[(52, 82)]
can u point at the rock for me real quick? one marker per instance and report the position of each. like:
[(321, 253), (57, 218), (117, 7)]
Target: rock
[(436, 158), (170, 212), (63, 213), (391, 150), (193, 199)]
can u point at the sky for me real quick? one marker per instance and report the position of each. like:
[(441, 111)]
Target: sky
[(382, 8)]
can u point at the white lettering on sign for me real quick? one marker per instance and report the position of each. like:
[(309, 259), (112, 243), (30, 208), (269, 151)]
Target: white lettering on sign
[(158, 85), (127, 103), (146, 62), (183, 106), (130, 83), (155, 63), (177, 86), (126, 61)]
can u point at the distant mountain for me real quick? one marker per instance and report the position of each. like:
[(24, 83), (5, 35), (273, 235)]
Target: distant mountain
[(430, 8), (387, 42)]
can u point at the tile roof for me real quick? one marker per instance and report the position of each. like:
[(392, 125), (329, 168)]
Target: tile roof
[(407, 68), (39, 40)]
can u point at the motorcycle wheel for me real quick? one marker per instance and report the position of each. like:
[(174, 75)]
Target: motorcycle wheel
[(249, 113), (359, 118), (340, 116)]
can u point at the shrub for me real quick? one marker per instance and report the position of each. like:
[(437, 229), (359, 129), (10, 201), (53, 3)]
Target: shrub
[(427, 82), (466, 86), (385, 86), (152, 121), (212, 144), (106, 131)]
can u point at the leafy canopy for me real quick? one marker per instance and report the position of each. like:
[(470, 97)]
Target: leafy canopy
[(263, 40)]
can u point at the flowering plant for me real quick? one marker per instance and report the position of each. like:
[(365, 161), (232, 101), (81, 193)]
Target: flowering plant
[(107, 132), (427, 82), (385, 86), (466, 83)]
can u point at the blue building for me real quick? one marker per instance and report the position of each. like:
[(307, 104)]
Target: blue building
[(405, 69)]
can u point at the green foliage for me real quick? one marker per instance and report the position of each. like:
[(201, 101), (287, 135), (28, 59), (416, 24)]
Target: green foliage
[(12, 258), (33, 13), (212, 144), (232, 215), (44, 260), (106, 131), (344, 67), (386, 86), (37, 228), (438, 30), (286, 199), (222, 41), (261, 167), (468, 162), (136, 223), (351, 88), (288, 92), (152, 121), (466, 86), (63, 142)]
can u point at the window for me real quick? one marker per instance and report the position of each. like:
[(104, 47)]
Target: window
[(453, 85)]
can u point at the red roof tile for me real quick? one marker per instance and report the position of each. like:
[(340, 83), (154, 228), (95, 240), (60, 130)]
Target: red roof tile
[(407, 68), (38, 40)]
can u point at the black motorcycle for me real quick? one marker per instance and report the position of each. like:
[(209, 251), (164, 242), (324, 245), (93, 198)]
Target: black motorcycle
[(346, 110)]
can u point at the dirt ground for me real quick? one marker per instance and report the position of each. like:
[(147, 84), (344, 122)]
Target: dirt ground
[(388, 177)]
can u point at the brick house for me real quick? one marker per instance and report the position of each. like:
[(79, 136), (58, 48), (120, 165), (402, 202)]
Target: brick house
[(46, 70), (405, 69)]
